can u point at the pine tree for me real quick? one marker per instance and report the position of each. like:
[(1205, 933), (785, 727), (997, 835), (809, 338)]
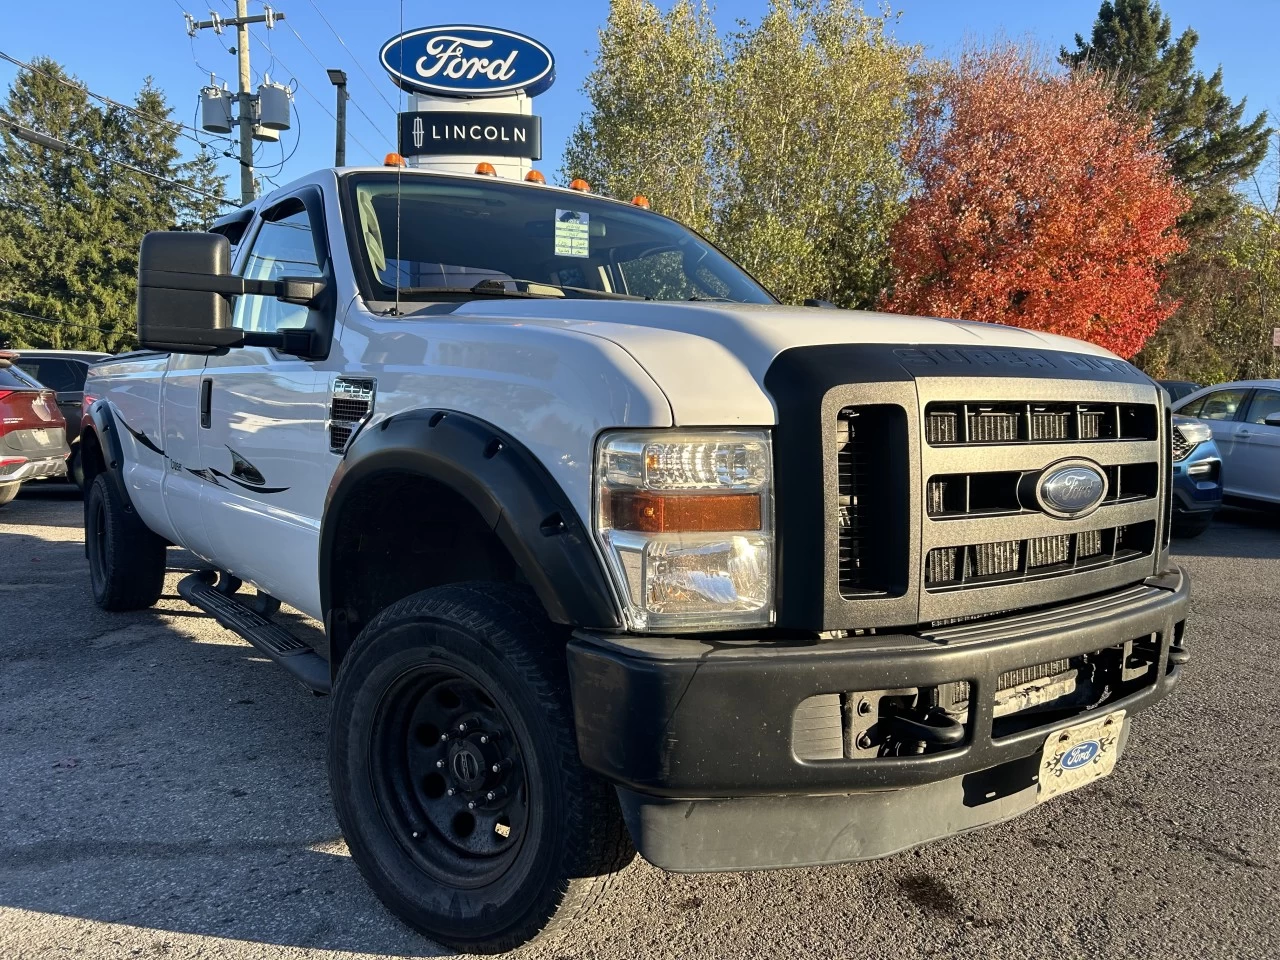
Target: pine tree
[(1210, 147), (71, 221)]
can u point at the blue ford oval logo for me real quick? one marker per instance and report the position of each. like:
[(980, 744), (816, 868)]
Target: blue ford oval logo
[(468, 61), (1080, 754), (1071, 489)]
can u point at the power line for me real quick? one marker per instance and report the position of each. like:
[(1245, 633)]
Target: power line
[(45, 140), (181, 127), (354, 102), (354, 58), (66, 323)]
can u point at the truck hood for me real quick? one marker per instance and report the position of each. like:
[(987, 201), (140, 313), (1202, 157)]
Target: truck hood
[(710, 359)]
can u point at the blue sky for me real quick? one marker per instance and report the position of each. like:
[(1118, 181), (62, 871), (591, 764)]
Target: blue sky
[(111, 47)]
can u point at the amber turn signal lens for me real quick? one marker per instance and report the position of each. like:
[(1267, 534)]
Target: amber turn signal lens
[(535, 176), (580, 185), (393, 160), (648, 512), (640, 200), (486, 169)]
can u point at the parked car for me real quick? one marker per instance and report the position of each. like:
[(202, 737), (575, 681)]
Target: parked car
[(1177, 389), (33, 433), (1244, 418), (64, 372), (1197, 477)]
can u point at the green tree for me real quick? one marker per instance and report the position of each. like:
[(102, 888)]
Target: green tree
[(779, 142), (1210, 146), (71, 221)]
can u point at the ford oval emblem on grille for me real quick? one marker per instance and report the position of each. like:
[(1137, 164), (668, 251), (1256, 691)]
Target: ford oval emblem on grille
[(1071, 489)]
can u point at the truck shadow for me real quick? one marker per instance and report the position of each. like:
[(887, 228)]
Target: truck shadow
[(1236, 532), (158, 773)]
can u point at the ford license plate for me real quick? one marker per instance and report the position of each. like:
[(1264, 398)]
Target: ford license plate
[(1079, 755)]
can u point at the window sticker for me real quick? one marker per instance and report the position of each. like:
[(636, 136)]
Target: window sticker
[(573, 233)]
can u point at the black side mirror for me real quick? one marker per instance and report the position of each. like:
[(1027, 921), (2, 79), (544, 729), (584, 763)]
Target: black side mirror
[(1272, 420), (185, 288)]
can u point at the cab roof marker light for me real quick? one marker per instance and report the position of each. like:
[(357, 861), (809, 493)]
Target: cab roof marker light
[(486, 169), (640, 200), (535, 176), (580, 185), (393, 160)]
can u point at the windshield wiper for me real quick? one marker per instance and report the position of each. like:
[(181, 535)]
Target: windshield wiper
[(485, 288)]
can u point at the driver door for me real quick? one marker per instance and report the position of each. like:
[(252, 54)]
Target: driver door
[(263, 441)]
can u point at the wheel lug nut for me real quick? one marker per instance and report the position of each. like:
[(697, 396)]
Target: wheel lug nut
[(444, 737), (450, 792), (462, 728), (471, 804), (439, 764), (484, 738), (496, 794)]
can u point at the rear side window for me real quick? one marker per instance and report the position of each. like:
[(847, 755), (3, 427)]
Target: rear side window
[(64, 376), (1221, 405)]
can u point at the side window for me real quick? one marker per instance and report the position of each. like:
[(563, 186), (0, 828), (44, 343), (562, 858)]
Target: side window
[(1222, 405), (1192, 409), (284, 247), (55, 373), (1265, 403)]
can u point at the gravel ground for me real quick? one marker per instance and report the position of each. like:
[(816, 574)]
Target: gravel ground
[(162, 793)]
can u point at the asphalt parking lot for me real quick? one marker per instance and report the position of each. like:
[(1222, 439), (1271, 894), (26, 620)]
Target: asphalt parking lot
[(163, 794)]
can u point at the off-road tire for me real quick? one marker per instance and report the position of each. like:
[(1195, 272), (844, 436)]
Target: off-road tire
[(573, 840), (126, 560), (8, 492)]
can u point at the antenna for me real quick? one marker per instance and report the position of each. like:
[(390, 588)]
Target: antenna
[(399, 171)]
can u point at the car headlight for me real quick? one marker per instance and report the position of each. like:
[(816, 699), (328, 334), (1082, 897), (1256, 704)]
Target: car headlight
[(1192, 430), (685, 520)]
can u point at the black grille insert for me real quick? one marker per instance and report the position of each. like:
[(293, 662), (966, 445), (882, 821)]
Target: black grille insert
[(872, 500), (1012, 422), (1009, 561), (1006, 492)]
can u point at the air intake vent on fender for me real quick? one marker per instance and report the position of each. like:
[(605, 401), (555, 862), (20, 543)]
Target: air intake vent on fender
[(352, 405)]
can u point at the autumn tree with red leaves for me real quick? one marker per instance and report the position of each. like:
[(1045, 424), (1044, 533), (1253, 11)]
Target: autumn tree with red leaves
[(1040, 203)]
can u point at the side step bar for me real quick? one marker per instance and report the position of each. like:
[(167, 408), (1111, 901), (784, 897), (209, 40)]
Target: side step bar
[(307, 666)]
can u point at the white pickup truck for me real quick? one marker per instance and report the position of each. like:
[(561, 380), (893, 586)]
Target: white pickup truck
[(613, 551)]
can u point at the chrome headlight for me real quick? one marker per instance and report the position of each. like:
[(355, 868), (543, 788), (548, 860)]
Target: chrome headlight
[(685, 521), (1192, 430)]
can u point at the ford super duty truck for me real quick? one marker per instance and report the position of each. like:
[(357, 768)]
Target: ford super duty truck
[(613, 551)]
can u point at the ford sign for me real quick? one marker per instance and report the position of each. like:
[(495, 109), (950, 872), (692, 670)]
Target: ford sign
[(1071, 489), (463, 61)]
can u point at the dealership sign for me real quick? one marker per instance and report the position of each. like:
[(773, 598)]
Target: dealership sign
[(468, 61), (457, 133)]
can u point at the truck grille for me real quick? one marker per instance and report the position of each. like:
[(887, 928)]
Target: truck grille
[(982, 423), (871, 499), (1006, 561)]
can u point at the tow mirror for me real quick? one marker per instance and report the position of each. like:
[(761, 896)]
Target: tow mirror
[(185, 286)]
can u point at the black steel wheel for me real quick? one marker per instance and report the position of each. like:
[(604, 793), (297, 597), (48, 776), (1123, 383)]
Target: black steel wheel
[(126, 560), (455, 774)]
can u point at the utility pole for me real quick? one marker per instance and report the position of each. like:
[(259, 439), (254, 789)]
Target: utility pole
[(245, 98), (339, 79)]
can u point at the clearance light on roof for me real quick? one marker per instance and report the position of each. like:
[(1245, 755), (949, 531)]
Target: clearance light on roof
[(393, 160), (640, 200), (534, 176), (580, 185), (486, 169)]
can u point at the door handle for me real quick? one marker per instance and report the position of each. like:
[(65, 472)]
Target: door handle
[(206, 403), (1242, 432)]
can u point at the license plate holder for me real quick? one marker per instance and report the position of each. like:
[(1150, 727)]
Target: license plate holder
[(1079, 755)]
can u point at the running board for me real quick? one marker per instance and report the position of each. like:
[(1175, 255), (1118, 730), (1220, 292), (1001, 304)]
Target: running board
[(308, 667)]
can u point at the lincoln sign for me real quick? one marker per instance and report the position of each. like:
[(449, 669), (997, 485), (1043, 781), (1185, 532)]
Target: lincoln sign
[(459, 133), (468, 61)]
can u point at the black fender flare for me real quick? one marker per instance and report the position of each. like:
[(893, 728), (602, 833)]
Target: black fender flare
[(508, 486), (100, 421)]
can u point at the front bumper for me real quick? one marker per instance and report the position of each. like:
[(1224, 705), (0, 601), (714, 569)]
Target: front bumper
[(699, 735)]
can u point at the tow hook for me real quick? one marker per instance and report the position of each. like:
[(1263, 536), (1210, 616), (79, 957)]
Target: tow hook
[(1179, 655), (929, 728)]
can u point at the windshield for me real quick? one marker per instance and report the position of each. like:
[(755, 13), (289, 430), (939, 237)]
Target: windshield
[(506, 239)]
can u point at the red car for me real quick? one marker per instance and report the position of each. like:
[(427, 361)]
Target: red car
[(33, 432)]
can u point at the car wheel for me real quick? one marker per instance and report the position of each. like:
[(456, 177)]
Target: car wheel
[(75, 469), (1184, 528), (455, 774), (126, 560), (8, 492)]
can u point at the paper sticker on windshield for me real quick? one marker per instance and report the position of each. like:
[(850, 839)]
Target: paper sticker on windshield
[(573, 233)]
